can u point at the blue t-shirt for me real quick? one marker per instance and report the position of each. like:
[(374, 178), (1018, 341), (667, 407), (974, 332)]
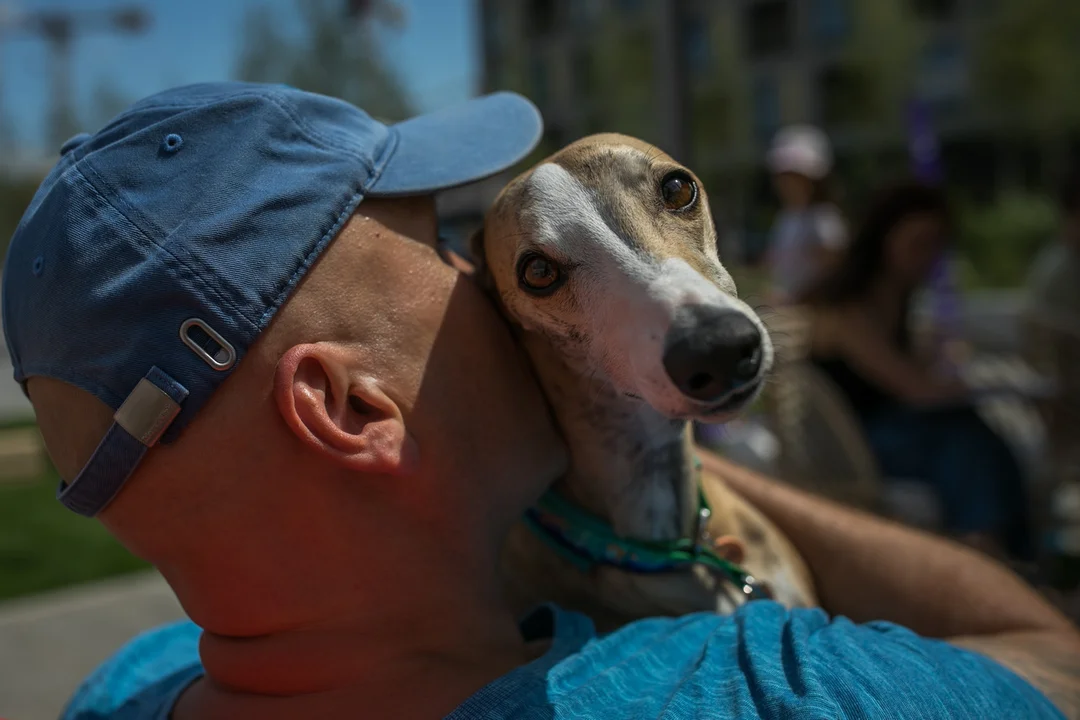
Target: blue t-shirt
[(763, 661)]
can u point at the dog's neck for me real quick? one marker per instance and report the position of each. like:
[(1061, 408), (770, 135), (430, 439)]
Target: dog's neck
[(629, 464)]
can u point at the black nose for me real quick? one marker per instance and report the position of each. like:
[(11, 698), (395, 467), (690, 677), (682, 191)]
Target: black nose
[(710, 351)]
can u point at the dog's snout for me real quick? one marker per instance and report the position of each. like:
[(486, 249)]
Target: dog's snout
[(710, 351)]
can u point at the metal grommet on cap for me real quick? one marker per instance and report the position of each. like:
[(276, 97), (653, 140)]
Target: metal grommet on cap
[(172, 143), (208, 344), (38, 266)]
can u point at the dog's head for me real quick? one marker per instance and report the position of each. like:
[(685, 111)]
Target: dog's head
[(608, 250)]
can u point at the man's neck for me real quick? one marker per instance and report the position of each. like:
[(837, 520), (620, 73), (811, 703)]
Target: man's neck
[(419, 641), (399, 683)]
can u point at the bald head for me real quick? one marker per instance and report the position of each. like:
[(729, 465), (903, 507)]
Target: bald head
[(385, 390), (73, 421)]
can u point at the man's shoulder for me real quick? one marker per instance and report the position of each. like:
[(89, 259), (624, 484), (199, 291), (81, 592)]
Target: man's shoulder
[(142, 679), (766, 661)]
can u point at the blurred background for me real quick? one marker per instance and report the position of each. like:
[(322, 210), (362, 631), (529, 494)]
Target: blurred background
[(976, 99)]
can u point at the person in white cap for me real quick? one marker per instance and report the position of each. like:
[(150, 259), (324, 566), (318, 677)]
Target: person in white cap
[(810, 231)]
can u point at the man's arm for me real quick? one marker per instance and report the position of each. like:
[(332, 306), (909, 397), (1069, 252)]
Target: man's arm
[(1050, 662), (867, 569)]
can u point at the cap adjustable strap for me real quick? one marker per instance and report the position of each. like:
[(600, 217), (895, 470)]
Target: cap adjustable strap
[(137, 425)]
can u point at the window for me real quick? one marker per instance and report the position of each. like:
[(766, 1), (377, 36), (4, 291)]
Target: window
[(696, 45), (935, 9), (491, 19), (555, 137), (943, 70), (538, 81), (843, 100), (584, 14), (541, 17), (594, 120), (831, 20), (766, 107), (710, 122), (942, 56), (583, 75), (769, 28)]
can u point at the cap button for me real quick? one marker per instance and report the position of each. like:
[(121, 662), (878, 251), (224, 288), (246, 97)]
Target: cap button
[(74, 143)]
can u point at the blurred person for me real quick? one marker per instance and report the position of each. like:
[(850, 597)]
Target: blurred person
[(921, 425), (810, 231), (249, 362), (1053, 284)]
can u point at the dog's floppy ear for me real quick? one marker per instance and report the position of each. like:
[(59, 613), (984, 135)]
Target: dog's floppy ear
[(476, 249), (456, 261), (481, 273)]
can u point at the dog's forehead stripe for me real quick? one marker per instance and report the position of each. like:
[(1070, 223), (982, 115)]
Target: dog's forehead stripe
[(631, 154), (566, 213)]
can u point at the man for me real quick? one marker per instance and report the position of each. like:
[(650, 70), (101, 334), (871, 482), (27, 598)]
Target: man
[(358, 433)]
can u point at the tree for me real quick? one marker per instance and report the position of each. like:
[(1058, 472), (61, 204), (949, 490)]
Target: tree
[(623, 63), (15, 197), (106, 103), (8, 139), (1026, 60), (720, 118), (877, 71), (335, 53)]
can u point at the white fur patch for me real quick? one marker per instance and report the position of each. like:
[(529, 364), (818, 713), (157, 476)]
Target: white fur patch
[(567, 219), (674, 286)]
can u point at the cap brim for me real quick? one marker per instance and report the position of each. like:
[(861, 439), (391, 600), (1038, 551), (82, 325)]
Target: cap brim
[(459, 145)]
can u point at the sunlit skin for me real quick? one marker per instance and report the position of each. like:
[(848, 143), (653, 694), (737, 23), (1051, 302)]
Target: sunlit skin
[(332, 516)]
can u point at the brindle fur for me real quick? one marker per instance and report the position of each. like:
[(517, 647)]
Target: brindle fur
[(630, 464)]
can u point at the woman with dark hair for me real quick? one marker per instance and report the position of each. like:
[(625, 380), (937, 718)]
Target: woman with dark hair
[(920, 426)]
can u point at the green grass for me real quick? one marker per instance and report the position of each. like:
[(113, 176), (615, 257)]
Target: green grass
[(45, 546), (16, 424)]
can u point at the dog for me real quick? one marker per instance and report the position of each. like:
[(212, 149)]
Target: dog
[(604, 260)]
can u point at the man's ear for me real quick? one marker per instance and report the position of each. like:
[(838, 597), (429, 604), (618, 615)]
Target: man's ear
[(342, 416)]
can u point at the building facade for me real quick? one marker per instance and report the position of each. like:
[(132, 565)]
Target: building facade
[(711, 81)]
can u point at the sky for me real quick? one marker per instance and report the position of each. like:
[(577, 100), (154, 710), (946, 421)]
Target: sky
[(436, 55)]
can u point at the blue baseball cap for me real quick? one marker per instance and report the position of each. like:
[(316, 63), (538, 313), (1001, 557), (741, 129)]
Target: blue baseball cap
[(157, 250)]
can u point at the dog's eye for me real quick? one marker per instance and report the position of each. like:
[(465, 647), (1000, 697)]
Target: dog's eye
[(539, 274), (678, 190)]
